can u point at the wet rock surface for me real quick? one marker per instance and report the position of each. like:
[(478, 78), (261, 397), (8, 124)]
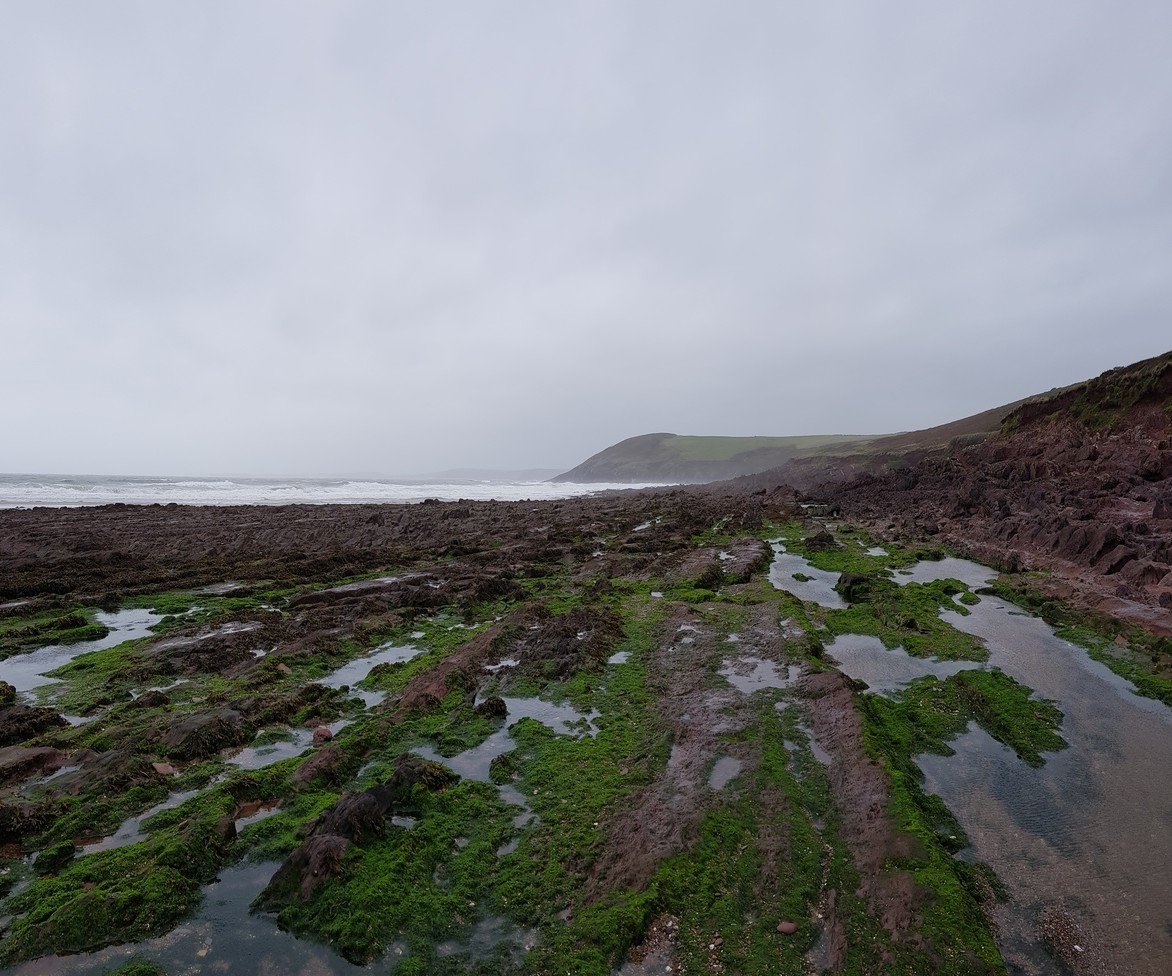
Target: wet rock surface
[(20, 722), (354, 819), (634, 745), (1079, 485)]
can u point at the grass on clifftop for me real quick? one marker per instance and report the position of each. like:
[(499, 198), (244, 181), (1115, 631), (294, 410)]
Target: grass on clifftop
[(691, 447)]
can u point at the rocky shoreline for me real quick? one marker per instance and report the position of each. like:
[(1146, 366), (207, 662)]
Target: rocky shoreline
[(597, 733)]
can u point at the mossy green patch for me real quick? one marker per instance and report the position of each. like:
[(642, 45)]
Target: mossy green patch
[(930, 712), (63, 625), (125, 894), (908, 616), (138, 967), (419, 884)]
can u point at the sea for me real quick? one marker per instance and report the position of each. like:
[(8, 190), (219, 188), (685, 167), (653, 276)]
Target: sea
[(72, 491)]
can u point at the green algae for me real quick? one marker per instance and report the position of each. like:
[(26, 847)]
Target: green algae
[(908, 616), (61, 625), (414, 884), (126, 894), (928, 713), (420, 886), (138, 967)]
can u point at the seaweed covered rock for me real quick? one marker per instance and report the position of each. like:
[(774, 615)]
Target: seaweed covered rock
[(856, 587), (19, 820), (356, 816), (742, 559), (821, 541), (20, 762), (309, 701), (204, 734), (326, 763), (354, 819), (700, 568), (20, 722), (111, 772), (126, 894), (412, 771), (151, 699), (560, 645), (314, 862), (493, 707)]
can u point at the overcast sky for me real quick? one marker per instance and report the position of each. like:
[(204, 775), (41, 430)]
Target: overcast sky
[(318, 238)]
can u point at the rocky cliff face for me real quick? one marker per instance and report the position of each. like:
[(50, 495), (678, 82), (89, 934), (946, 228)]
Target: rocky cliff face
[(1079, 483)]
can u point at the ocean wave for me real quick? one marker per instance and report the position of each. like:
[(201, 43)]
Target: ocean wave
[(73, 492)]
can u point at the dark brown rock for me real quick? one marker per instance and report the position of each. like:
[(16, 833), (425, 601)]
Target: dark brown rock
[(204, 734), (493, 707), (21, 722)]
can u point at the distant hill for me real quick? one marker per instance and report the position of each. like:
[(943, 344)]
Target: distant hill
[(686, 459)]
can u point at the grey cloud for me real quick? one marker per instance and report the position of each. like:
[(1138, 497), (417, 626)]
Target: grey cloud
[(322, 238)]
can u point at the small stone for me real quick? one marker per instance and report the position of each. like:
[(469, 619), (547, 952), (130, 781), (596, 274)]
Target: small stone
[(322, 735), (284, 669), (163, 769), (787, 928)]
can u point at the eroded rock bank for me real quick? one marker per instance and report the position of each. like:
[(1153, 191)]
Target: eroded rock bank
[(1078, 485)]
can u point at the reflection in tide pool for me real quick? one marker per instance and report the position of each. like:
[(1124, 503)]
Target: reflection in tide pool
[(476, 763), (260, 756), (885, 671), (972, 574), (724, 771), (1090, 831), (353, 672), (27, 671), (749, 674), (819, 588), (131, 831), (221, 938)]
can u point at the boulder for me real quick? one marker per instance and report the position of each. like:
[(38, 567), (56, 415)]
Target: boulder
[(326, 763), (493, 707), (821, 541), (204, 734), (855, 587), (20, 722)]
